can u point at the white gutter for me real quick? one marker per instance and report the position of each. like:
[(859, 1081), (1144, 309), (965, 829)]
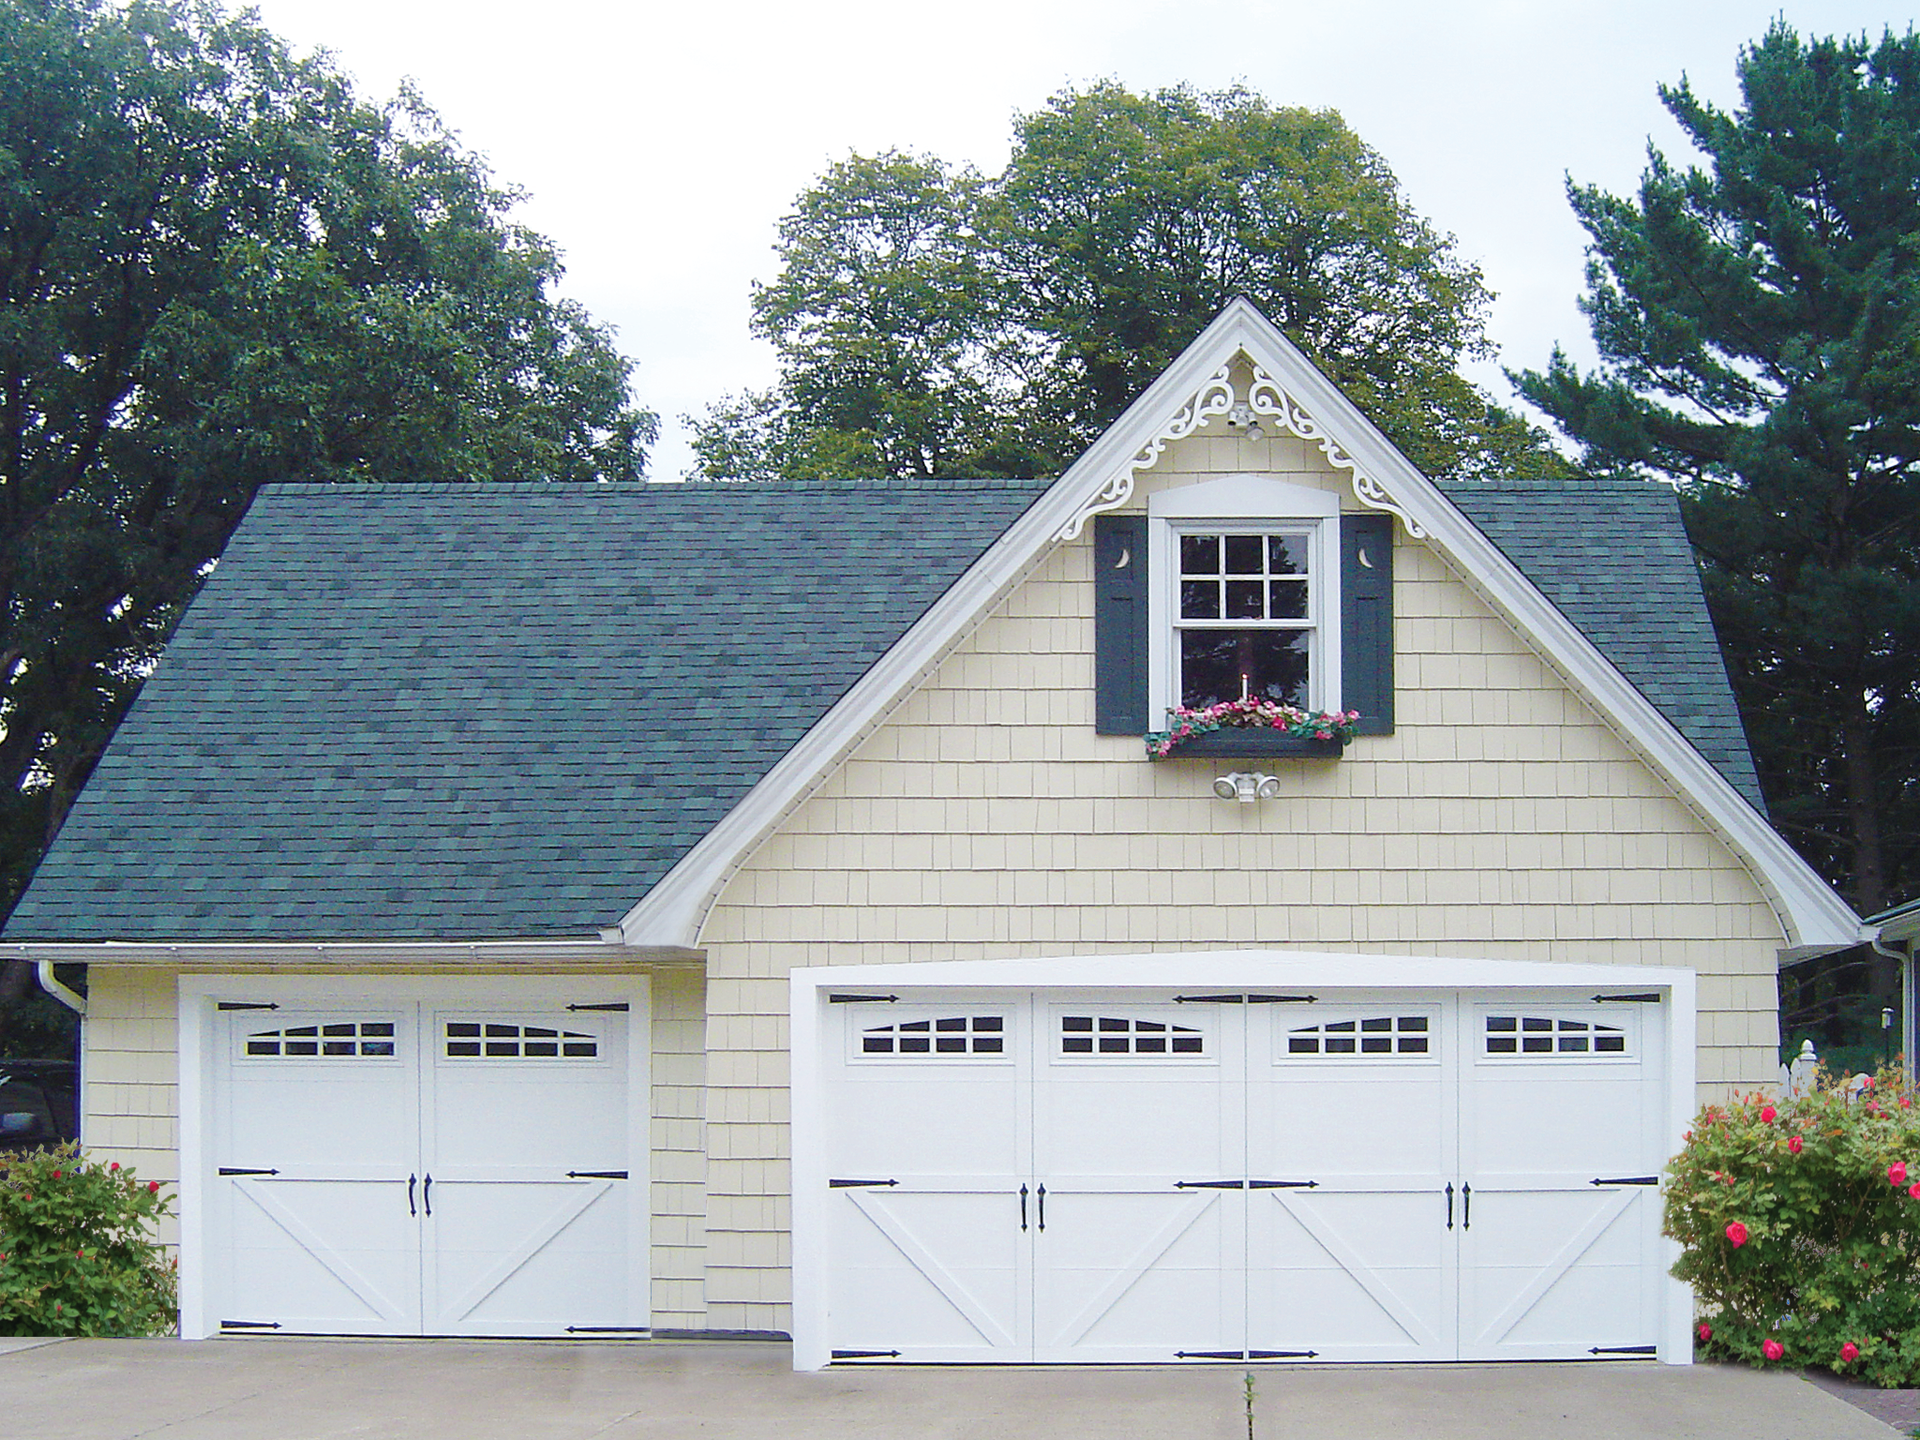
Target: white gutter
[(67, 996), (340, 954)]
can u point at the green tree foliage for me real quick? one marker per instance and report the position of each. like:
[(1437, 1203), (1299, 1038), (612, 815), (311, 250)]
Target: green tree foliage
[(1799, 1228), (220, 267), (1758, 324), (932, 322)]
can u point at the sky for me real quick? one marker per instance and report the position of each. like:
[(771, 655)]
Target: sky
[(658, 145)]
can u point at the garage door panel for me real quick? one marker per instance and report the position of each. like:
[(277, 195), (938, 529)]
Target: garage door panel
[(1139, 1276), (1551, 1275), (1356, 1274), (333, 1255), (529, 1256), (933, 1275)]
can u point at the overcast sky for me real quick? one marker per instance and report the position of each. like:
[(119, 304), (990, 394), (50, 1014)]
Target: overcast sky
[(660, 144)]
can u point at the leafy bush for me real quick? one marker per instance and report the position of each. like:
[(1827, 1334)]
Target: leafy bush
[(77, 1253), (1800, 1224)]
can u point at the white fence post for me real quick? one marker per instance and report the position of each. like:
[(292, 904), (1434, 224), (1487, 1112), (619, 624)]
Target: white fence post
[(1797, 1079)]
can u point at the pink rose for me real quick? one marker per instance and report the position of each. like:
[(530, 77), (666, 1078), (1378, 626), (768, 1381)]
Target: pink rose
[(1849, 1353), (153, 1187), (1323, 734), (1914, 1190), (1773, 1350), (1767, 1112), (1795, 1145), (1737, 1233), (1897, 1173), (1706, 1332), (113, 1167), (56, 1174)]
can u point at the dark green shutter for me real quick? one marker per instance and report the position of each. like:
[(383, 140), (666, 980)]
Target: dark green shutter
[(1120, 624), (1366, 620)]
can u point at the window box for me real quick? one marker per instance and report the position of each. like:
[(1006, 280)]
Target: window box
[(1232, 744)]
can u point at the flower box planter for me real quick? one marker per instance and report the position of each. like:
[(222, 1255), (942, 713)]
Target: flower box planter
[(1243, 744)]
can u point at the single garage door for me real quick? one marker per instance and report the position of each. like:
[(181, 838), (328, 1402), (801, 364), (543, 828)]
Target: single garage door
[(1045, 1177), (406, 1160)]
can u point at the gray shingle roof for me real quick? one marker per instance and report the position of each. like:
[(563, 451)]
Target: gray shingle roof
[(1613, 556), (486, 711), (469, 712)]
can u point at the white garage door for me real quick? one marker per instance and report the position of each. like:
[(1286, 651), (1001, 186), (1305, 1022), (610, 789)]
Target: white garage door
[(426, 1160), (1027, 1176)]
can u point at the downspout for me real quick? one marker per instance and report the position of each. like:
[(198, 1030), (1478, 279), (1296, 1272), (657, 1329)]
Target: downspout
[(1907, 1028), (66, 995)]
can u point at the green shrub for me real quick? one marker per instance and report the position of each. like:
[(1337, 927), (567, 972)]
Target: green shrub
[(1800, 1229), (77, 1253)]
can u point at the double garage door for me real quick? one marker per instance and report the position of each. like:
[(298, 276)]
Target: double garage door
[(425, 1158), (1128, 1177)]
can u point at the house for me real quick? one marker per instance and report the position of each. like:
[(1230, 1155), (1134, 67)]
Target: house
[(753, 909)]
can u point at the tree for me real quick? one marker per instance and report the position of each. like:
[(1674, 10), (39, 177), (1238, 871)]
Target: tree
[(1042, 302), (1758, 325), (219, 267)]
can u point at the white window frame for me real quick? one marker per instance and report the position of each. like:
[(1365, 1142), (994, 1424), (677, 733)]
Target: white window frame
[(1243, 503)]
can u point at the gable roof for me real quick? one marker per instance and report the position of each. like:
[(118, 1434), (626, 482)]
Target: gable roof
[(354, 734), (490, 710)]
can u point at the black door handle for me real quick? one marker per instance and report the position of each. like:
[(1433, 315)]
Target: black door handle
[(1466, 1206), (426, 1196), (1043, 1208), (1023, 1207), (412, 1180), (1449, 1205)]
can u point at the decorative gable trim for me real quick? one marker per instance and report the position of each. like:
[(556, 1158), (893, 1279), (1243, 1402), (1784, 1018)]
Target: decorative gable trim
[(1198, 385)]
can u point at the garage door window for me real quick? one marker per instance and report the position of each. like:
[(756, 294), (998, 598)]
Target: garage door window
[(1556, 1036), (1374, 1035), (948, 1036), (493, 1040), (1123, 1035), (335, 1041)]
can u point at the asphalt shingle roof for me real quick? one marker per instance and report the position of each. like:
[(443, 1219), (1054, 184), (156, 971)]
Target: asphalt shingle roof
[(486, 711), (1613, 556), (471, 712)]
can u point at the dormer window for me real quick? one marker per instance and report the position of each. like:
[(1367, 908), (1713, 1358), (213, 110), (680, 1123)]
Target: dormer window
[(1244, 615)]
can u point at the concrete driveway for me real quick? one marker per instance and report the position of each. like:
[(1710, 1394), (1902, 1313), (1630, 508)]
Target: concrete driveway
[(258, 1389)]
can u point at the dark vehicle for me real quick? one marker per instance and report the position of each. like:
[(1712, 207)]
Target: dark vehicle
[(38, 1103)]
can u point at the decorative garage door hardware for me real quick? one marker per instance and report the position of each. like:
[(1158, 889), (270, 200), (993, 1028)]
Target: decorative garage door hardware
[(597, 1175), (1624, 1350), (849, 1184), (866, 1354), (1629, 1180), (1042, 1196), (1246, 1184), (1246, 999), (619, 1005), (249, 1324), (864, 999), (1466, 1207), (1246, 1354), (242, 1170), (609, 1330), (1650, 997), (244, 1005)]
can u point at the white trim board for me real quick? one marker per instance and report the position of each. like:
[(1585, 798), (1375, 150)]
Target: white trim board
[(1324, 972), (1809, 912)]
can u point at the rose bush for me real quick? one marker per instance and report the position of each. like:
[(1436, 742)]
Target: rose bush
[(77, 1253), (1799, 1232)]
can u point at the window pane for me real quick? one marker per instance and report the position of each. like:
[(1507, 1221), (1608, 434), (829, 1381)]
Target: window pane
[(1217, 665), (1244, 599), (1199, 554), (1286, 554), (1199, 599), (1243, 555), (1288, 600)]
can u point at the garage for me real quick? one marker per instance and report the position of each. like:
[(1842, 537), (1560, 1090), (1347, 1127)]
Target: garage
[(1278, 1168), (406, 1156)]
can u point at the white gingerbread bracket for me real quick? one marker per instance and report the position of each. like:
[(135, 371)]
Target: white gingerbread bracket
[(1265, 397)]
